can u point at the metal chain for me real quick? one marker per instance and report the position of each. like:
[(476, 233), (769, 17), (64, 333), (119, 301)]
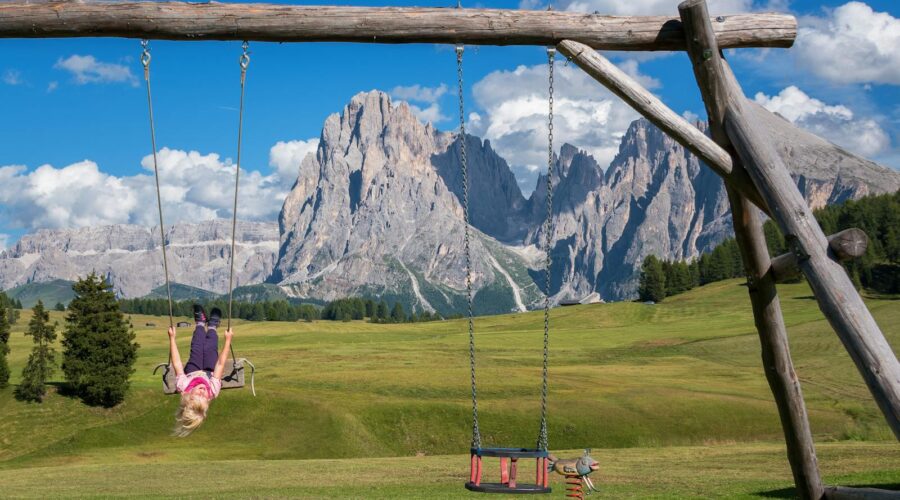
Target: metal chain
[(244, 62), (548, 241), (145, 62), (476, 432)]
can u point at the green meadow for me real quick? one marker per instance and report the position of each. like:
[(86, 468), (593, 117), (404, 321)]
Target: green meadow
[(671, 398)]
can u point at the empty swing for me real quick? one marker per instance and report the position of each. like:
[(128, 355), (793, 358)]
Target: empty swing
[(234, 376), (509, 457)]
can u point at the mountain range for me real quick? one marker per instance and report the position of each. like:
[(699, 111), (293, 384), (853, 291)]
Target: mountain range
[(377, 212)]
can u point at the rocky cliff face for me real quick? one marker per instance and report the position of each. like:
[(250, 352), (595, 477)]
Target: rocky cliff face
[(372, 214), (377, 211), (129, 256)]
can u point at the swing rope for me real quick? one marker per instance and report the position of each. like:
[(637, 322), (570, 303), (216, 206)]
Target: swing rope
[(548, 242), (476, 432), (244, 62), (145, 62)]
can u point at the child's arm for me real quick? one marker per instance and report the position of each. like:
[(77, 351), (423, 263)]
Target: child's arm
[(173, 352), (223, 355)]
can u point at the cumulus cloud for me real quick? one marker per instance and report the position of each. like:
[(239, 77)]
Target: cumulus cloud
[(87, 69), (851, 44), (514, 116), (837, 123), (13, 77), (428, 109), (285, 157), (194, 187)]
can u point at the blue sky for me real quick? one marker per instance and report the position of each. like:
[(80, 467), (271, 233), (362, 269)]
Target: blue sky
[(74, 125)]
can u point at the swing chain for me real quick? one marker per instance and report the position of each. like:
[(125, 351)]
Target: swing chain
[(145, 62), (548, 239), (476, 432)]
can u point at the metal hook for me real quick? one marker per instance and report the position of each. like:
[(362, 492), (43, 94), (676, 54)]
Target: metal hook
[(245, 57), (145, 55)]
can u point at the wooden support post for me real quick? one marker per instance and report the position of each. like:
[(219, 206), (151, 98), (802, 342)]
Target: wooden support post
[(670, 122), (294, 23), (776, 354), (845, 245), (835, 293)]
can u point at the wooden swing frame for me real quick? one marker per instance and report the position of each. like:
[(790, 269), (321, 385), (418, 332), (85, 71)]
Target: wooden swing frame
[(742, 150)]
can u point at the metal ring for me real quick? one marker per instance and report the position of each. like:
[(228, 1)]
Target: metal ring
[(244, 61), (145, 58)]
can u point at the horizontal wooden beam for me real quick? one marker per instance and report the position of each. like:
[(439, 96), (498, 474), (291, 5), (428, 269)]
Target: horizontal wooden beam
[(290, 23), (845, 245), (845, 493)]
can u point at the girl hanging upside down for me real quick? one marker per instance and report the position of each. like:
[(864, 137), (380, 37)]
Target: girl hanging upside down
[(200, 381)]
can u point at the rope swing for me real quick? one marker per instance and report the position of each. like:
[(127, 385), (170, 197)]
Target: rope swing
[(235, 377), (508, 456)]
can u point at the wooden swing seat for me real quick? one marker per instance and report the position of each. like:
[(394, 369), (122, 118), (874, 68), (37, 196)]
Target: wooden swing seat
[(233, 378), (509, 458)]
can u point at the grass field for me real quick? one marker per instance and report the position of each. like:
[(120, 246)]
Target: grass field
[(671, 397)]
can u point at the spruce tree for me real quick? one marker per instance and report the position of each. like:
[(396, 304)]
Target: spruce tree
[(99, 347), (4, 350), (397, 314), (652, 285), (40, 363)]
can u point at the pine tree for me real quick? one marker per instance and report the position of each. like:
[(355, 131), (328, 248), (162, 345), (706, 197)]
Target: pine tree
[(60, 306), (397, 314), (40, 363), (99, 348), (652, 285), (4, 350), (381, 312)]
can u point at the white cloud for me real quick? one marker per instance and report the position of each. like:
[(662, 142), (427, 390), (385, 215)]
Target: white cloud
[(428, 96), (13, 77), (514, 117), (194, 187), (4, 241), (419, 93), (52, 86), (87, 69), (852, 44), (837, 123), (285, 157)]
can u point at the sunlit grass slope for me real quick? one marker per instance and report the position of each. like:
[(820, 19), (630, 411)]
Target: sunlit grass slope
[(683, 373)]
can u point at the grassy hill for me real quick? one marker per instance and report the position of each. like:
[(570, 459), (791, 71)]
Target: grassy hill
[(673, 391), (182, 292), (51, 292)]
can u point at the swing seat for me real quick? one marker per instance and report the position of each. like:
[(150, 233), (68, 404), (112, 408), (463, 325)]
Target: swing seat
[(232, 379), (509, 458)]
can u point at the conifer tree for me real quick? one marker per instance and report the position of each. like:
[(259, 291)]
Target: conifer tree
[(652, 285), (40, 363), (4, 350), (99, 347)]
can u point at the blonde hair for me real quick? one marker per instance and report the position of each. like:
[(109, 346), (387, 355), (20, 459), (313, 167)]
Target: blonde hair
[(191, 413)]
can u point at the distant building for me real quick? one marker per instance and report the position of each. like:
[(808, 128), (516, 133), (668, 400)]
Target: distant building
[(150, 324), (183, 324)]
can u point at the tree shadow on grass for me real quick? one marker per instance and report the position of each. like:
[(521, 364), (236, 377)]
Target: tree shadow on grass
[(792, 492)]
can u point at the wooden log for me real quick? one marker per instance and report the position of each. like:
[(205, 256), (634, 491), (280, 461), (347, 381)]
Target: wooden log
[(845, 245), (845, 493), (835, 293), (775, 349), (291, 23), (670, 122)]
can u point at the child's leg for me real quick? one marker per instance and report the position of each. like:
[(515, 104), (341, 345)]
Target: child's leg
[(198, 341), (210, 349)]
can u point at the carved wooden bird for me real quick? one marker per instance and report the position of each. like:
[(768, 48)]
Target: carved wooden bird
[(579, 467)]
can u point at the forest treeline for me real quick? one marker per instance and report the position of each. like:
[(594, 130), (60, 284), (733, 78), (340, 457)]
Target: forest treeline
[(347, 309), (878, 270)]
